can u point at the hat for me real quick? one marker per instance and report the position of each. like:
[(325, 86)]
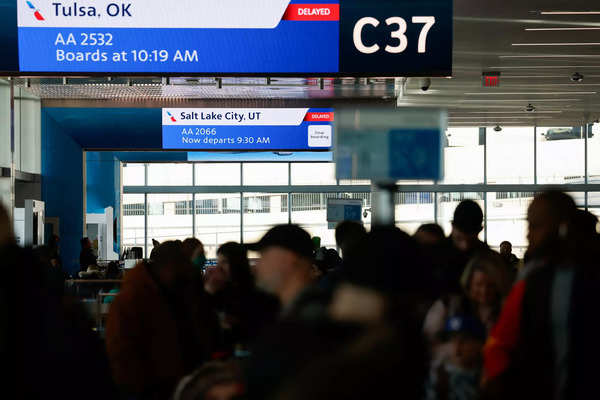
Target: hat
[(466, 324), (289, 237)]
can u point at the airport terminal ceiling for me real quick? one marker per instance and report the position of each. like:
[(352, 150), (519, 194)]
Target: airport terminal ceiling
[(536, 50)]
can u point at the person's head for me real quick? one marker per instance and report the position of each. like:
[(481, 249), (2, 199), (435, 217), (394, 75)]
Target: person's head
[(429, 235), (349, 234), (194, 251), (285, 265), (550, 216), (505, 248), (467, 336), (485, 280), (466, 225), (53, 241), (215, 380), (155, 243), (85, 243), (171, 265), (6, 235), (327, 260), (232, 259)]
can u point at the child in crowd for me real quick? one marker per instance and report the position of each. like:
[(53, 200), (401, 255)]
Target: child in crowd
[(458, 376)]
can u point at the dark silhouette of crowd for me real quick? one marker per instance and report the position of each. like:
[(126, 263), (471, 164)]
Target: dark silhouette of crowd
[(413, 317)]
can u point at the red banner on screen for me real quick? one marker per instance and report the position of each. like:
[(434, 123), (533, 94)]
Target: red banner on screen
[(312, 12), (319, 117)]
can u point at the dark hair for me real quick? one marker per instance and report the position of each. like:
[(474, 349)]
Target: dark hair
[(506, 242), (562, 205), (327, 259), (84, 241), (432, 229), (168, 252), (468, 217), (190, 245), (239, 266), (349, 232)]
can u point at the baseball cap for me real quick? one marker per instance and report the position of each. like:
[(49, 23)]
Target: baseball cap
[(289, 237), (466, 324)]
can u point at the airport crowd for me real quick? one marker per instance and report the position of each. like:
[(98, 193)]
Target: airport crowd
[(414, 317)]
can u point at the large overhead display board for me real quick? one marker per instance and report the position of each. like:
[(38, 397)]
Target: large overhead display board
[(257, 129), (235, 37)]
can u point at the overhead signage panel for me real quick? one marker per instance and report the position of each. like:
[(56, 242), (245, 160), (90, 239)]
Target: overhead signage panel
[(260, 37), (256, 129)]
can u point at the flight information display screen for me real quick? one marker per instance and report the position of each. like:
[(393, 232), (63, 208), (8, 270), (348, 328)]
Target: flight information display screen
[(261, 37), (259, 129)]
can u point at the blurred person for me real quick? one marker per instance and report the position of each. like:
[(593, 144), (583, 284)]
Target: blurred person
[(87, 257), (159, 328), (507, 254), (194, 250), (245, 309), (464, 243), (54, 249), (430, 235), (216, 380), (155, 244), (285, 270), (543, 342), (348, 235), (6, 234), (326, 260), (303, 332), (47, 346), (512, 261), (467, 224), (484, 285), (549, 217), (379, 363), (459, 376)]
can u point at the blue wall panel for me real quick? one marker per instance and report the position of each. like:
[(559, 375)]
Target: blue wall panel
[(62, 187)]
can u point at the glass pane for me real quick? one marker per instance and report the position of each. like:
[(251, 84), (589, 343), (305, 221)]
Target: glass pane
[(262, 211), (350, 182), (133, 221), (593, 152), (170, 174), (309, 210), (313, 174), (217, 220), (510, 155), (265, 174), (133, 175), (447, 203), (169, 217), (413, 210), (507, 220), (560, 155), (218, 174), (463, 156)]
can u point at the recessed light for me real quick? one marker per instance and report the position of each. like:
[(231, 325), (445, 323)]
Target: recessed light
[(525, 93), (563, 29), (570, 12), (558, 44), (548, 67), (556, 56)]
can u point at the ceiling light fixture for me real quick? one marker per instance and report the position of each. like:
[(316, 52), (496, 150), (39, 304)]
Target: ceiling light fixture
[(556, 56), (570, 12), (525, 93), (508, 112), (517, 100), (548, 67), (562, 29), (558, 44)]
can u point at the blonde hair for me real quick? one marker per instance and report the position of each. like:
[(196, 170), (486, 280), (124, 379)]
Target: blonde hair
[(493, 265)]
